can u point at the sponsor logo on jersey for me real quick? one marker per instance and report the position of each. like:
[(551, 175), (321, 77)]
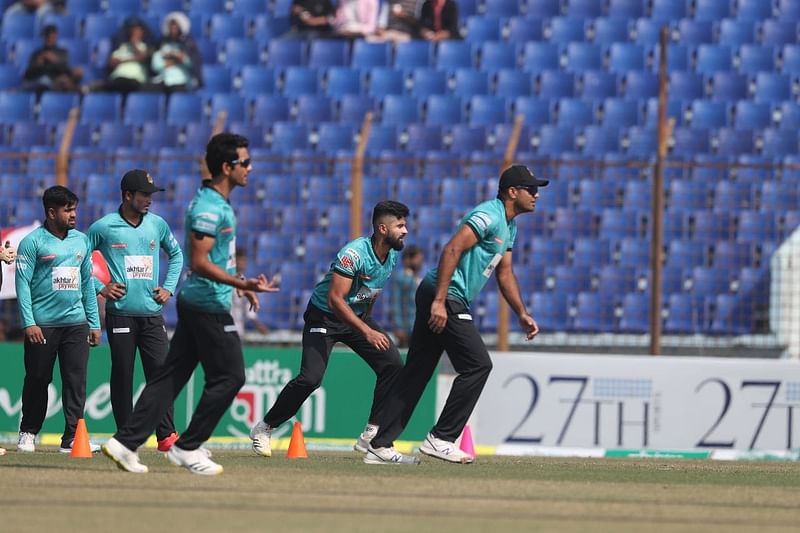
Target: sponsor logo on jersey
[(65, 278), (120, 245), (139, 267), (481, 220), (223, 231), (152, 245), (48, 257), (346, 262)]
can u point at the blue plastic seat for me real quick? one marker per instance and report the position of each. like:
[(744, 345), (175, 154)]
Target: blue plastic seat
[(353, 108), (552, 310), (624, 57), (641, 141), (733, 32), (600, 140), (789, 116), (495, 55), (709, 114), (143, 107), (484, 28), (239, 52), (399, 110), (574, 112), (690, 141), (312, 109), (285, 52), (324, 53), (776, 32), (466, 138), (184, 108), (635, 316), (684, 194), (595, 312), (159, 7), (269, 108), (754, 59), (778, 196), (288, 136), (584, 56), (638, 195), (669, 10), (385, 81), (732, 314), (568, 279), (728, 86), (686, 254), (686, 85), (710, 281), (369, 55), (98, 26), (710, 226), (620, 113), (566, 29), (712, 10), (413, 54), (435, 219), (457, 192), (217, 79), (641, 85), (422, 138), (590, 251), (82, 7), (511, 83), (340, 81), (545, 8), (536, 111), (114, 135), (772, 87), (300, 80), (443, 110), (733, 255), (713, 58), (55, 107), (155, 135), (486, 110), (18, 26), (734, 142), (382, 137), (554, 140), (616, 280), (428, 81), (454, 54), (685, 314), (538, 56), (611, 30), (571, 223), (256, 80), (757, 226), (470, 82), (733, 195), (595, 194), (779, 143), (418, 192), (695, 31), (99, 107), (224, 26), (630, 9), (598, 84), (556, 84), (524, 29), (538, 247)]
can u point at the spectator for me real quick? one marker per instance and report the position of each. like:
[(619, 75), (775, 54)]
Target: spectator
[(29, 7), (122, 34), (176, 63), (312, 18), (356, 19), (241, 309), (439, 20), (48, 68), (399, 22), (401, 296), (128, 64)]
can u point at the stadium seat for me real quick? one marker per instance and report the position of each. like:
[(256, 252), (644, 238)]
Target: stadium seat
[(734, 196), (788, 116), (413, 54), (256, 79), (464, 138), (524, 29), (568, 279), (484, 28), (287, 136), (584, 56), (685, 194), (511, 83), (710, 226), (323, 53), (754, 59), (594, 312), (553, 140), (772, 87), (224, 26), (647, 30), (421, 138), (399, 110), (598, 84), (610, 30), (600, 140), (733, 32), (536, 111), (538, 56), (712, 10), (353, 108), (571, 223), (620, 113), (454, 54), (756, 226), (685, 314), (443, 110), (469, 82), (707, 114), (340, 81), (495, 55), (545, 8), (99, 107), (788, 10), (312, 109), (55, 107), (367, 55), (285, 52), (690, 141), (270, 108), (428, 81), (734, 142), (590, 251), (184, 108), (563, 30), (775, 32), (382, 137), (385, 81), (711, 58), (486, 110), (237, 52), (733, 255), (552, 310), (695, 32), (779, 143), (728, 86), (640, 85), (143, 107), (625, 57), (556, 84), (300, 80), (778, 196), (217, 79)]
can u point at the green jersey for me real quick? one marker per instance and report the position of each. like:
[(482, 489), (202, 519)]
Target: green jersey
[(210, 214), (131, 253), (357, 261), (495, 237), (54, 280)]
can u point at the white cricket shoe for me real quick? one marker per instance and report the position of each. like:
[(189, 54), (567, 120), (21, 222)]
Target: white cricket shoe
[(125, 459), (444, 450), (196, 461), (261, 435), (388, 456), (92, 446), (27, 442), (362, 444)]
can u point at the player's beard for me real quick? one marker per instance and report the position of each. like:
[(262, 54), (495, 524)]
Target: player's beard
[(395, 243)]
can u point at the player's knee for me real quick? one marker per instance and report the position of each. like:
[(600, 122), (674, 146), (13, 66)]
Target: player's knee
[(310, 381), (484, 368)]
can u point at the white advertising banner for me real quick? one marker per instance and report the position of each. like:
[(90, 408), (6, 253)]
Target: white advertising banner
[(579, 402)]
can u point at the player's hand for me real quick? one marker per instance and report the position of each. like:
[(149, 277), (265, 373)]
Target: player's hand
[(261, 284), (378, 340), (161, 295), (252, 297), (438, 319), (34, 335), (529, 325), (8, 254), (94, 337), (113, 291)]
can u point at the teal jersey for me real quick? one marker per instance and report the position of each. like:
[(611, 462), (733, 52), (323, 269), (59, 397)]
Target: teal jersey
[(357, 261), (54, 280), (210, 213), (131, 253), (495, 237)]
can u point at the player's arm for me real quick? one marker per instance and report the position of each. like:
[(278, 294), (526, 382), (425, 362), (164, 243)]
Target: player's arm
[(174, 266), (337, 291), (90, 297), (509, 287), (200, 246), (463, 240), (26, 264)]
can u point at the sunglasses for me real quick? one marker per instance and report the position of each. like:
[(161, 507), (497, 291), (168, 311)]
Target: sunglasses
[(244, 162), (531, 190)]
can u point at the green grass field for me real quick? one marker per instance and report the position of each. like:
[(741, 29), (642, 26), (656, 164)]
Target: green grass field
[(333, 492)]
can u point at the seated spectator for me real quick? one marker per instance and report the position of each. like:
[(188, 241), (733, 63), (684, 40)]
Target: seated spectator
[(121, 35), (400, 22), (312, 18), (29, 7), (439, 20), (48, 68), (355, 19), (176, 63), (128, 64)]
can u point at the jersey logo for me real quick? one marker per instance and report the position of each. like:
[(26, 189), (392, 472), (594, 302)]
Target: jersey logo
[(139, 267), (225, 230), (120, 245), (481, 220), (152, 245), (65, 278), (47, 257), (346, 262)]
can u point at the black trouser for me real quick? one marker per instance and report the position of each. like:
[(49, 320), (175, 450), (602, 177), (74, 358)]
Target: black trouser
[(71, 344), (200, 337), (125, 335), (470, 360), (320, 333)]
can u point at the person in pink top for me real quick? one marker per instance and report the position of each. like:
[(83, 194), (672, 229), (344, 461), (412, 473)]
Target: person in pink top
[(356, 19)]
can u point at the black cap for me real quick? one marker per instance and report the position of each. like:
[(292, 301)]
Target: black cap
[(138, 180), (520, 176)]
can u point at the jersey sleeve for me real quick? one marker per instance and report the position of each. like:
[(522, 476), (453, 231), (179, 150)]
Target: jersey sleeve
[(170, 245), (88, 290), (95, 236), (481, 222), (512, 236), (348, 262), (205, 220), (25, 265)]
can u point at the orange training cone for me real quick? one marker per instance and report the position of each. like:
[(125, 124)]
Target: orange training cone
[(80, 445), (467, 446), (297, 445)]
